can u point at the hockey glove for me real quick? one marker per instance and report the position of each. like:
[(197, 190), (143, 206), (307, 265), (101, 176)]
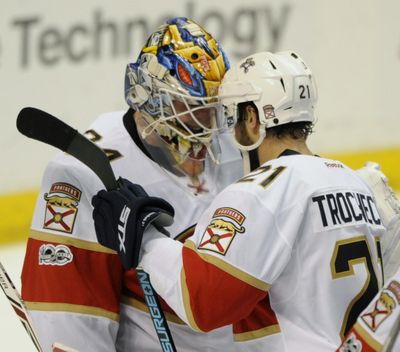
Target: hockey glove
[(122, 216)]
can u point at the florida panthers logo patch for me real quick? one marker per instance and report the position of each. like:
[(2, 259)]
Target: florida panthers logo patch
[(220, 233), (269, 111), (382, 308), (61, 207)]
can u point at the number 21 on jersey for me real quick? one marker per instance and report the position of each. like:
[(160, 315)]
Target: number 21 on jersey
[(346, 254)]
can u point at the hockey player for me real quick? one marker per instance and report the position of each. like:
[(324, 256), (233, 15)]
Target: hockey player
[(75, 289), (299, 227), (378, 326), (389, 210)]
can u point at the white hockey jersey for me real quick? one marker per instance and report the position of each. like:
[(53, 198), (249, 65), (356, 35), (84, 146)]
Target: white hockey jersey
[(304, 229), (378, 323), (75, 289)]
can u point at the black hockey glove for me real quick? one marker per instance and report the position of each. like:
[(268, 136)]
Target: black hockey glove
[(122, 216)]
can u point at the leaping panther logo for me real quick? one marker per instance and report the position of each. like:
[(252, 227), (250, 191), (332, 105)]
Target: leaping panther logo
[(221, 231), (61, 210), (247, 64), (61, 201)]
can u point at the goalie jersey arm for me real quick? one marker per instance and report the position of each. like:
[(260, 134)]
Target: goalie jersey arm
[(219, 275), (70, 283), (379, 322)]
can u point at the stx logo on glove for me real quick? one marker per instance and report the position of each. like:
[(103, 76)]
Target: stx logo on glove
[(122, 215), (122, 227)]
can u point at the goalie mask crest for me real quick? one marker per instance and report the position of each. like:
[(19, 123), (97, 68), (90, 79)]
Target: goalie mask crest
[(221, 231), (62, 202)]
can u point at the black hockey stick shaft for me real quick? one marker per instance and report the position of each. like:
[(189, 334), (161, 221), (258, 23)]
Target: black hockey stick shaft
[(41, 126), (14, 298)]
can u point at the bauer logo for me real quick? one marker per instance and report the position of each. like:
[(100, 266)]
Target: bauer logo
[(61, 207), (221, 231), (50, 254)]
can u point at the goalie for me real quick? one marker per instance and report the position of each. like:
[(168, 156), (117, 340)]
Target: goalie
[(76, 290)]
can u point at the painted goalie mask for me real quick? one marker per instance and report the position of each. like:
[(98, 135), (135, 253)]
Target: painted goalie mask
[(174, 84)]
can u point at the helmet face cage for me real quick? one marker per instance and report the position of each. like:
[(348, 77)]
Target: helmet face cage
[(175, 110), (174, 84), (280, 85)]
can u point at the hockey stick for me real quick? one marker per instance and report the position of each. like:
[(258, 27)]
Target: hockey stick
[(41, 126), (18, 305)]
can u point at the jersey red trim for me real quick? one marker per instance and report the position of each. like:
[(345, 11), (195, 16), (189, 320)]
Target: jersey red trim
[(91, 279), (215, 297), (133, 290), (262, 321)]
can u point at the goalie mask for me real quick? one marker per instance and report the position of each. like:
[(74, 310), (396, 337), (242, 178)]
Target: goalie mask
[(280, 86), (174, 84)]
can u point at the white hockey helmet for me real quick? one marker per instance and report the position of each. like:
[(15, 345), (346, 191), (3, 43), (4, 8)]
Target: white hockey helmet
[(280, 85)]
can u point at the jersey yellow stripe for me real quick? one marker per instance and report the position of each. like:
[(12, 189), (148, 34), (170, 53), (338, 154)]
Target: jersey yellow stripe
[(132, 302), (71, 308), (186, 303), (221, 264), (91, 246), (251, 335), (367, 337)]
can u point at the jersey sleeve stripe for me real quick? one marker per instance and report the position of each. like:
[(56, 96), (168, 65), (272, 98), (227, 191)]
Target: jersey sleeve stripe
[(185, 234), (229, 269), (186, 303), (251, 335), (71, 308), (134, 303), (261, 322), (367, 337), (77, 243), (89, 279), (212, 295)]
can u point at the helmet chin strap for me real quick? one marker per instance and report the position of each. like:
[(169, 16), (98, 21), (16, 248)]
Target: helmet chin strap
[(249, 153), (211, 153), (250, 160)]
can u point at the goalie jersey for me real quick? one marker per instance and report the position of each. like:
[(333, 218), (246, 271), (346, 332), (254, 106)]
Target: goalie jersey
[(378, 323), (303, 228), (76, 290)]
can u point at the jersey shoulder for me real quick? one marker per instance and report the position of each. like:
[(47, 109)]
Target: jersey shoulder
[(317, 173), (295, 178), (63, 206)]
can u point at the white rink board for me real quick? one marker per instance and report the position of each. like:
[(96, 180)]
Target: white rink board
[(69, 57)]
